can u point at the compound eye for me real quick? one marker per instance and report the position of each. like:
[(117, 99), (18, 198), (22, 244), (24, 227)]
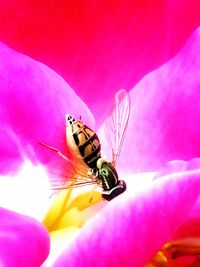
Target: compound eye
[(100, 163)]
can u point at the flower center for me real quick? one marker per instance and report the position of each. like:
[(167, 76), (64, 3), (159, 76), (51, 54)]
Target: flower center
[(69, 210), (178, 253)]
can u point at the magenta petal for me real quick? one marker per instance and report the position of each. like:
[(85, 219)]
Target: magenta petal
[(178, 166), (99, 47), (191, 227), (33, 101), (132, 228), (164, 122), (24, 242)]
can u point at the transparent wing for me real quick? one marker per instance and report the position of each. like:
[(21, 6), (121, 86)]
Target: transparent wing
[(78, 176), (117, 122)]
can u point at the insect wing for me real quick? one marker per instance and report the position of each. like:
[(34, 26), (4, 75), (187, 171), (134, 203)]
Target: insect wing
[(75, 179), (77, 175), (117, 122)]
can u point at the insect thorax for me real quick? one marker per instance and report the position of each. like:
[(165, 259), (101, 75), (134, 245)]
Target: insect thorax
[(108, 174)]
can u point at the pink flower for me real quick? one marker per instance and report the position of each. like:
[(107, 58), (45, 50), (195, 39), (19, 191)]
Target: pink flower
[(99, 48), (163, 126), (24, 241)]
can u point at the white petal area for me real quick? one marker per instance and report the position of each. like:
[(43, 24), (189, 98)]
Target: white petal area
[(27, 192)]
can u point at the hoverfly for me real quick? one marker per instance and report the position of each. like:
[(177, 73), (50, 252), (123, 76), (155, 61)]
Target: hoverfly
[(85, 147)]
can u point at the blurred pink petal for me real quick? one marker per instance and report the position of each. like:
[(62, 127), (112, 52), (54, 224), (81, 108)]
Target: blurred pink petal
[(23, 241), (164, 122), (102, 46), (178, 166), (133, 227), (190, 228), (33, 102)]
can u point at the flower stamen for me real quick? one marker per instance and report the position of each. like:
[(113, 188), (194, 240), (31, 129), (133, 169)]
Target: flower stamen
[(171, 251)]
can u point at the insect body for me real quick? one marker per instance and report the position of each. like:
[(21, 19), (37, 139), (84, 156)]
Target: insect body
[(85, 147), (84, 143)]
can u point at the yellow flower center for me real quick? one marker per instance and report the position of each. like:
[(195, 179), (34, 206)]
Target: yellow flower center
[(68, 208), (69, 211)]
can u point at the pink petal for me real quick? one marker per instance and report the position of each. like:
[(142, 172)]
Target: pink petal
[(133, 227), (23, 240), (164, 122), (190, 228), (178, 166), (99, 47), (34, 101)]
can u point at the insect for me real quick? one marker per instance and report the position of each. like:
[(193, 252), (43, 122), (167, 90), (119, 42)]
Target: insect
[(84, 144)]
